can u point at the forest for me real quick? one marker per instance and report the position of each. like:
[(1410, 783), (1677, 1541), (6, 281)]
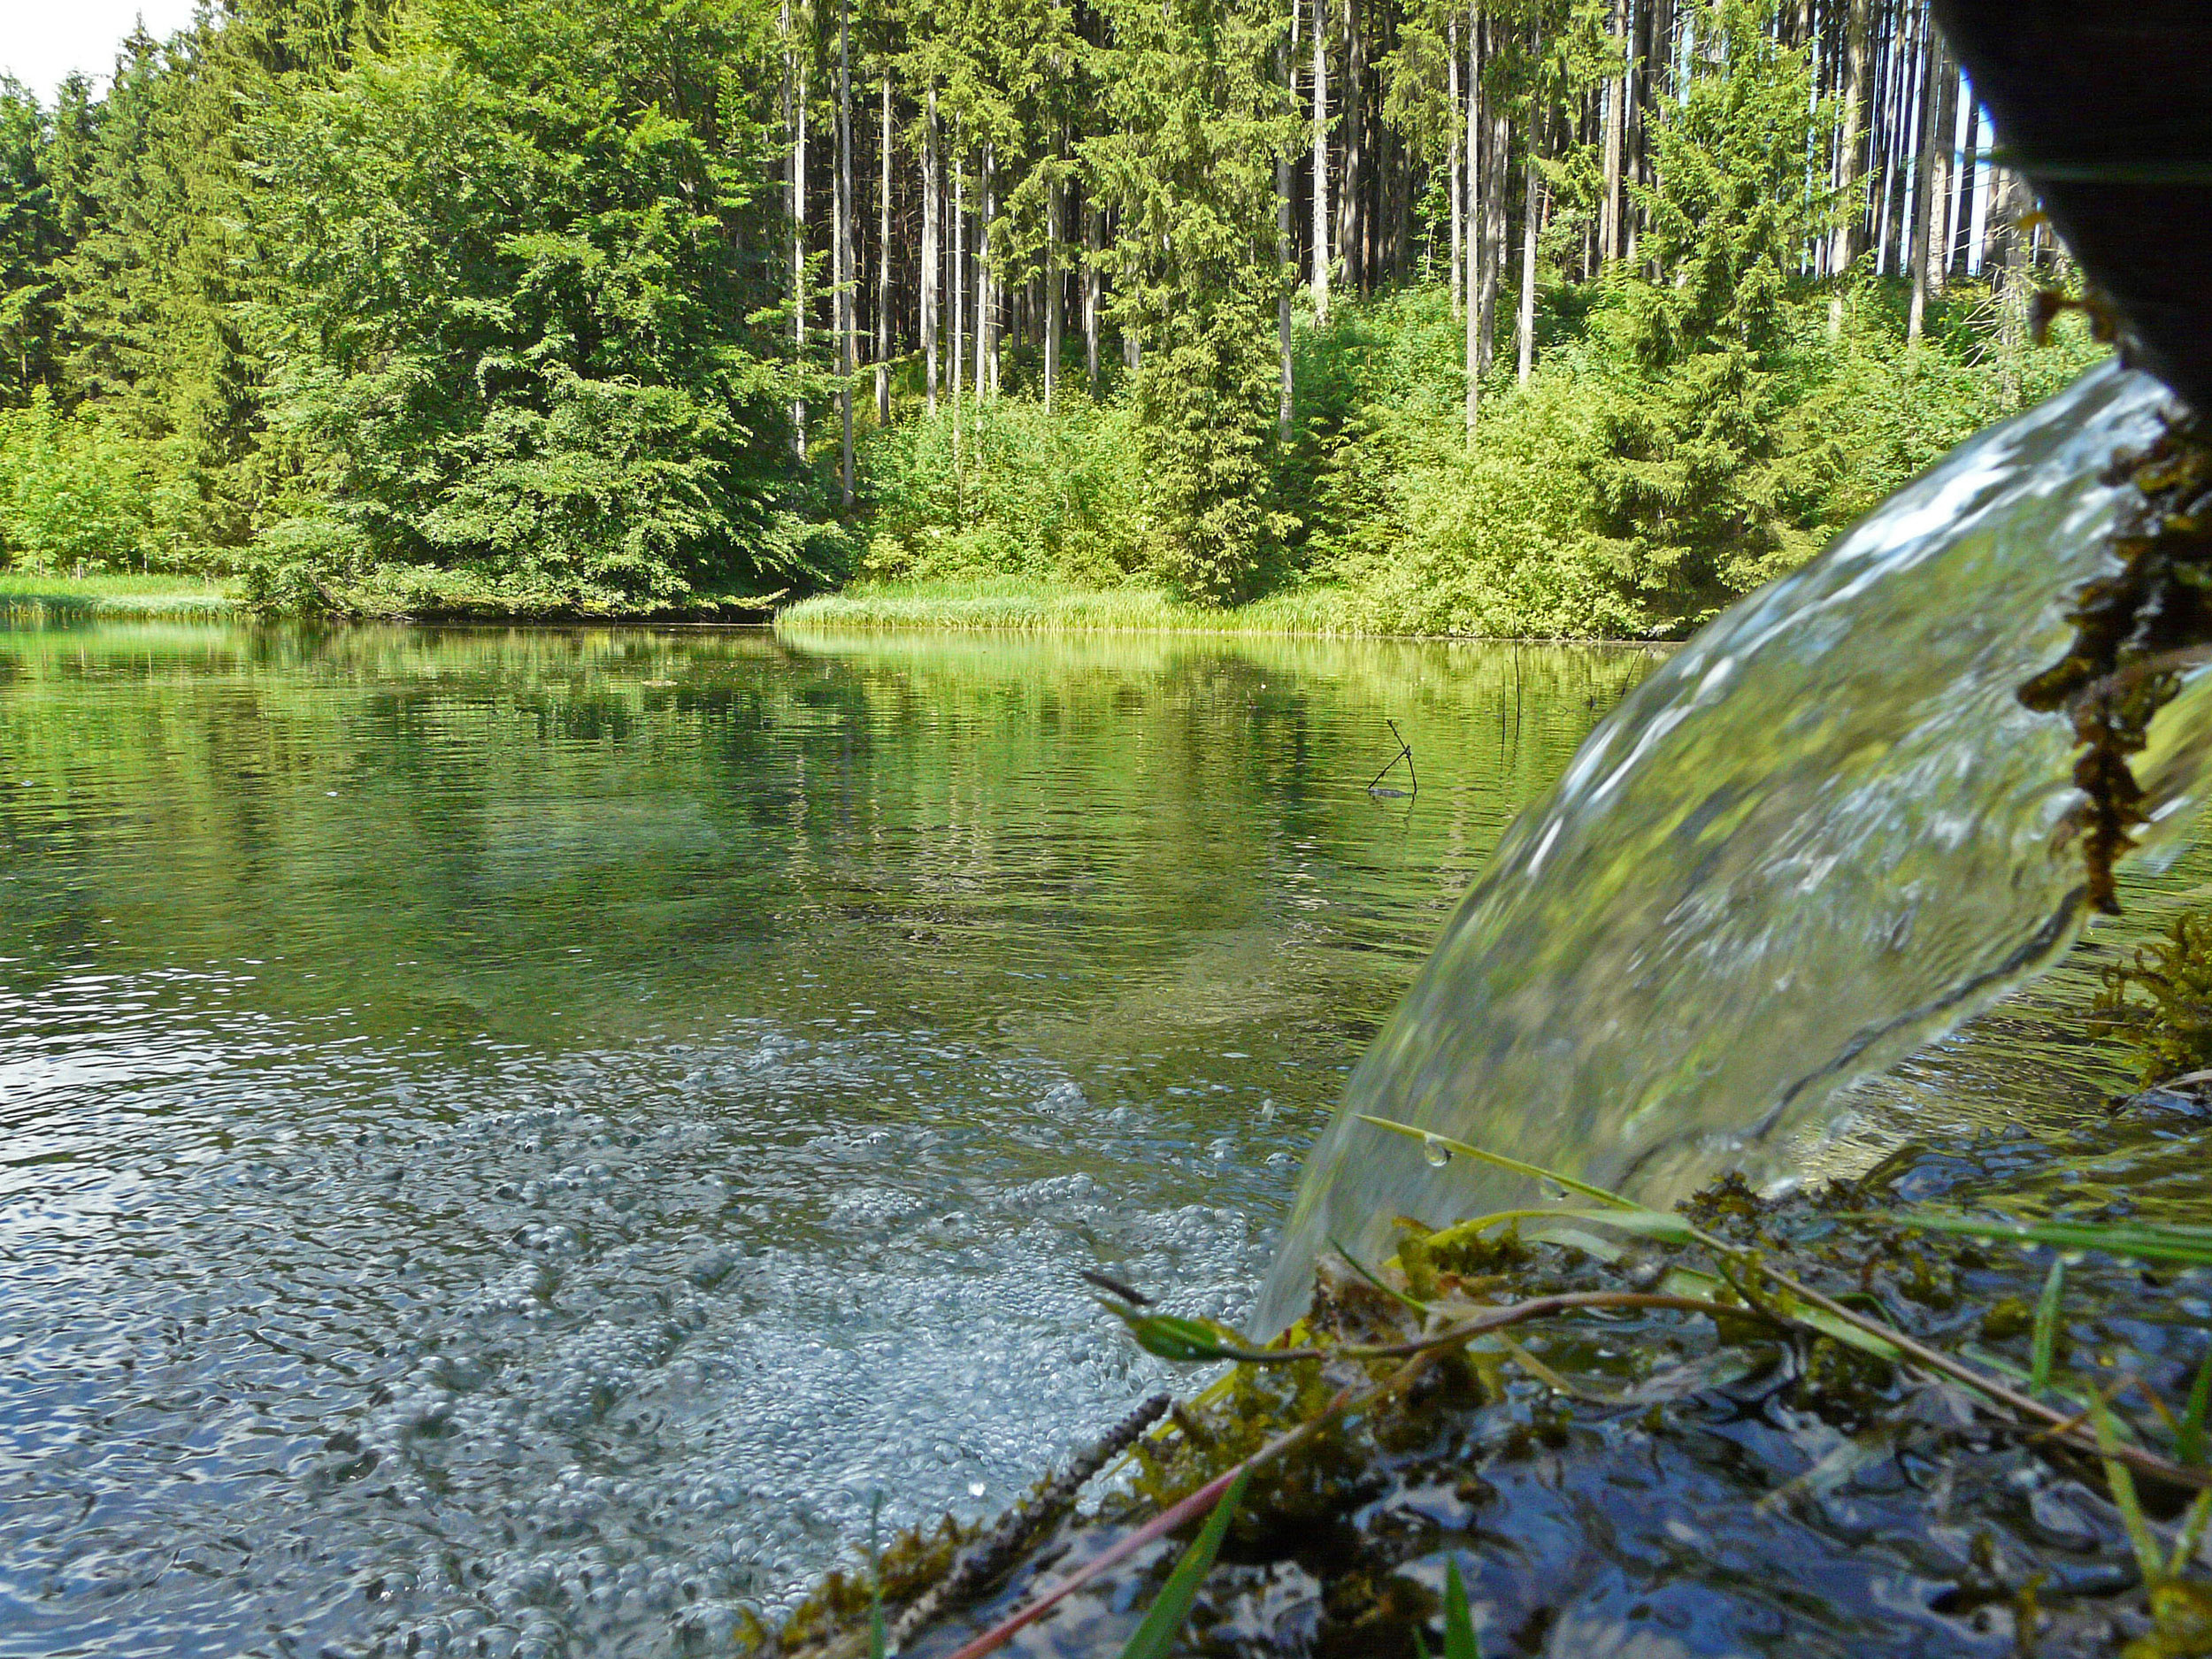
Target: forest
[(1534, 318)]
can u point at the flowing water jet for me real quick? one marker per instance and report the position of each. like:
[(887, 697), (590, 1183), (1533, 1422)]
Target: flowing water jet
[(1822, 834), (1828, 830)]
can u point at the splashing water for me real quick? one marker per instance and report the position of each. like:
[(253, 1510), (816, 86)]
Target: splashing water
[(1824, 833)]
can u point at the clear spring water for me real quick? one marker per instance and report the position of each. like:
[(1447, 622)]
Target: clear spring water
[(508, 1139), (1821, 836)]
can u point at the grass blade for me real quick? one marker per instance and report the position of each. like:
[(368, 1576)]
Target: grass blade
[(1498, 1160), (2046, 1344), (875, 1643), (2190, 1447), (2142, 1241), (1460, 1641), (2148, 1559), (1157, 1633)]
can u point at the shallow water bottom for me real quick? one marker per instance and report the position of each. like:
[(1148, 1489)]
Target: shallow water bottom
[(512, 1138)]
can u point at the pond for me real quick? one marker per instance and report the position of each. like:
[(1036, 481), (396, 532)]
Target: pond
[(513, 1138)]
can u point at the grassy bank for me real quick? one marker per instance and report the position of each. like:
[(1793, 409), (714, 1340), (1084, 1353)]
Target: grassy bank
[(1022, 604), (117, 595)]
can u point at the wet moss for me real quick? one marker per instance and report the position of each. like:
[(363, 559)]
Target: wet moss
[(1704, 1483), (912, 1562), (2159, 1003), (2134, 631)]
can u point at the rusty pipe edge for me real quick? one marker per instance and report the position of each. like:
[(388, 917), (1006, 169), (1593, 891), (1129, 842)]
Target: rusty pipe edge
[(2106, 105)]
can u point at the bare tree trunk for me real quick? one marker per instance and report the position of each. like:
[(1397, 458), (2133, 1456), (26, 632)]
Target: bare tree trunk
[(1347, 196), (1532, 188), (1053, 297), (1494, 141), (988, 292), (2006, 244), (795, 122), (1849, 238), (1473, 150), (1942, 200), (1616, 137), (1898, 125), (1320, 161), (1925, 219), (933, 204), (883, 270), (846, 343), (1285, 255), (959, 300), (1648, 38), (1451, 82), (1091, 282)]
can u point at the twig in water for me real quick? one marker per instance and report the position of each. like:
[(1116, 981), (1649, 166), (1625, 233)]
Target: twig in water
[(1198, 1503), (1107, 1281), (993, 1556), (1405, 753)]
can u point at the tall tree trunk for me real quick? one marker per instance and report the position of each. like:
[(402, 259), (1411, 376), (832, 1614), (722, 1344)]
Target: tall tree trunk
[(933, 207), (1532, 191), (1849, 239), (1054, 281), (1925, 219), (1285, 255), (1092, 237), (987, 285), (1942, 201), (795, 122), (1474, 149), (1495, 137), (1451, 82), (959, 301), (845, 342), (2006, 244), (1632, 136), (1320, 161), (1615, 138), (1349, 188), (1896, 132), (1053, 200), (883, 270)]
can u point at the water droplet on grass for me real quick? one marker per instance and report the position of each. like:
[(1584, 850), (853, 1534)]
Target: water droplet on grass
[(1434, 1152)]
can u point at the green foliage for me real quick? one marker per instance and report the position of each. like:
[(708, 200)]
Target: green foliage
[(1056, 498), (1691, 476), (513, 340), (478, 308), (2160, 1003), (81, 495), (1189, 162)]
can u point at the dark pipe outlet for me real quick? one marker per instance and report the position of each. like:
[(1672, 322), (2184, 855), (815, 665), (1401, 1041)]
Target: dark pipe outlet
[(2107, 106)]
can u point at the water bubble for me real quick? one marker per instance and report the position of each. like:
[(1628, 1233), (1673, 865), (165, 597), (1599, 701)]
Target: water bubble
[(975, 1488), (1434, 1152)]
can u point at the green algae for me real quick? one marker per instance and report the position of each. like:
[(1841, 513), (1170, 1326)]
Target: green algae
[(1825, 1480)]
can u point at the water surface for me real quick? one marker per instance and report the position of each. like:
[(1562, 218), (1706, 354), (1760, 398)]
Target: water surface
[(510, 1138)]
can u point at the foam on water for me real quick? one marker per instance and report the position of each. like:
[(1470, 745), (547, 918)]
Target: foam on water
[(584, 1374), (509, 1139), (1820, 836)]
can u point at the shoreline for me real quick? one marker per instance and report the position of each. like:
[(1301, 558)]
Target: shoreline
[(1000, 606), (118, 597), (994, 606)]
